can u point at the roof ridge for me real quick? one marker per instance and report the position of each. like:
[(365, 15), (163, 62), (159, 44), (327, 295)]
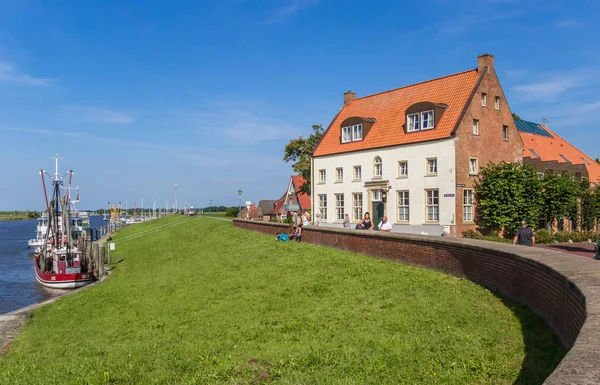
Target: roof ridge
[(416, 84)]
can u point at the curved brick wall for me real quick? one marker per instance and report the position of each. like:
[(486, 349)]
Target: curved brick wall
[(562, 289)]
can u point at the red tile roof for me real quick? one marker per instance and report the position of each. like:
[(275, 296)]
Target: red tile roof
[(550, 148), (303, 199), (388, 108)]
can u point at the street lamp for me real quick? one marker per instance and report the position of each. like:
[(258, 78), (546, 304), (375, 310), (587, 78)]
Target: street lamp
[(211, 207), (240, 205)]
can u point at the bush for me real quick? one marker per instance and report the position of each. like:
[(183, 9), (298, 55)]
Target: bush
[(232, 212), (496, 238), (578, 236), (543, 236), (562, 237), (472, 234), (591, 235)]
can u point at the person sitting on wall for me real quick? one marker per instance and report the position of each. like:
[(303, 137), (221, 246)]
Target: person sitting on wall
[(346, 222), (366, 223), (385, 225), (318, 220), (282, 237)]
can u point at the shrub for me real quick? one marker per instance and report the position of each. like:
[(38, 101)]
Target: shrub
[(591, 235), (562, 237), (232, 212), (543, 236), (472, 234), (578, 236)]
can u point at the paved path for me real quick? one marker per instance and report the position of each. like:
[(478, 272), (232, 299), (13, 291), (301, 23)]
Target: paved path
[(584, 249)]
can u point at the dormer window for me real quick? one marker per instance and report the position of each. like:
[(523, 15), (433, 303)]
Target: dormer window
[(352, 133), (413, 122), (427, 119), (423, 116), (357, 132)]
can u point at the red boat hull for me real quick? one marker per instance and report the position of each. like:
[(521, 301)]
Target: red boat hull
[(61, 281)]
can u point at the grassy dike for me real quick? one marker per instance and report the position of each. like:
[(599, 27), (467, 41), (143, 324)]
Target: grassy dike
[(206, 303)]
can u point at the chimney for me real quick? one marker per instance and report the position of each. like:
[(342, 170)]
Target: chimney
[(485, 60), (349, 96)]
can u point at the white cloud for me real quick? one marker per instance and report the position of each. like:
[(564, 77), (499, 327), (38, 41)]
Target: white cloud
[(547, 90), (290, 9), (96, 115), (10, 74), (568, 23)]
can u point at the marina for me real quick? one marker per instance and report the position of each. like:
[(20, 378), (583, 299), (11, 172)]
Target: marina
[(18, 287)]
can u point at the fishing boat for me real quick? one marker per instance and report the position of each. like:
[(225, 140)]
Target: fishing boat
[(59, 262)]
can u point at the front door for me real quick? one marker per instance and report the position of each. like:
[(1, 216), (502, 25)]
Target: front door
[(377, 213)]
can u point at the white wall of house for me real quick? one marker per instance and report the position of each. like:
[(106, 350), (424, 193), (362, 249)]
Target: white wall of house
[(416, 183)]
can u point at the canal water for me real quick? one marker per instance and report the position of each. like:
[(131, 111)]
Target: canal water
[(18, 287)]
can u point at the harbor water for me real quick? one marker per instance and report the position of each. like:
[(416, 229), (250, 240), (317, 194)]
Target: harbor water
[(18, 287)]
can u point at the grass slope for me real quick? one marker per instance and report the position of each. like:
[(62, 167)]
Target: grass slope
[(207, 303)]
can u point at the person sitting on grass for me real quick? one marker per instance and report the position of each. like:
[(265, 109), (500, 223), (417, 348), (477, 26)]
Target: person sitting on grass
[(385, 225), (282, 237)]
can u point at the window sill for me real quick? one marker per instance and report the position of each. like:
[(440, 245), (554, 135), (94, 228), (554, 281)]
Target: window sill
[(506, 140), (475, 134), (356, 180), (431, 223), (338, 181), (402, 177), (468, 222), (321, 182), (473, 174), (377, 177), (429, 175)]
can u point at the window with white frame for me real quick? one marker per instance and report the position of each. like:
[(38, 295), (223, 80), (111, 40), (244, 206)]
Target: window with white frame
[(483, 99), (427, 120), (352, 133), (323, 206), (357, 206), (322, 176), (475, 127), (468, 205), (339, 207), (357, 173), (357, 132), (403, 206), (432, 205), (377, 195), (473, 166), (505, 132), (432, 166), (339, 174), (377, 168), (497, 103), (413, 122), (403, 168), (346, 134)]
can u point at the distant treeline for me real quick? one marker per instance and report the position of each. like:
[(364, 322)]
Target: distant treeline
[(18, 215), (145, 211)]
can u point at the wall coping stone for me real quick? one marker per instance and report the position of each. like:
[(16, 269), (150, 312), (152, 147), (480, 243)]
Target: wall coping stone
[(581, 365)]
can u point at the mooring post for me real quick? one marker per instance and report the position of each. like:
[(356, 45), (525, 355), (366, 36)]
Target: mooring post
[(95, 253), (101, 262)]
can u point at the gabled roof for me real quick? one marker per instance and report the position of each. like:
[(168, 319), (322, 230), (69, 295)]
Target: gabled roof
[(541, 143), (303, 199), (388, 108)]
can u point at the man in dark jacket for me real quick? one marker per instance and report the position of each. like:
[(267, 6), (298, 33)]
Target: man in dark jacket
[(524, 236)]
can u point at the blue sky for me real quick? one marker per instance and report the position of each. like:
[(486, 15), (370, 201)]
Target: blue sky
[(139, 95)]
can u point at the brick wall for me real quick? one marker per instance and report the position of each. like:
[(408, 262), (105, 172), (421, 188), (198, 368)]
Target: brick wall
[(489, 145), (562, 289)]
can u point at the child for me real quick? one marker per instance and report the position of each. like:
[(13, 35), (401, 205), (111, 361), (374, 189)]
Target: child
[(282, 237)]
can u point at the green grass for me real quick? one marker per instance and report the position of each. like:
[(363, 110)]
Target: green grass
[(206, 303)]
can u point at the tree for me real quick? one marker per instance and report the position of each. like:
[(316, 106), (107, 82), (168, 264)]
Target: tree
[(589, 206), (232, 212), (597, 160), (558, 194), (508, 193), (515, 116), (300, 152)]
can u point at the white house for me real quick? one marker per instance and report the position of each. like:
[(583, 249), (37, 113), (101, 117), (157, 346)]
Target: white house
[(413, 153)]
